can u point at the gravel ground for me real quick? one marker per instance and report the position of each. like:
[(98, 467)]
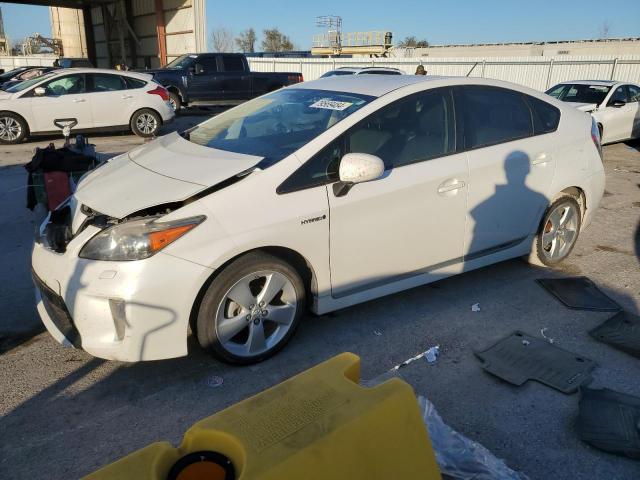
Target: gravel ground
[(64, 413)]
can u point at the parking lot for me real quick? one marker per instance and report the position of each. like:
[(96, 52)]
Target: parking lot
[(64, 413)]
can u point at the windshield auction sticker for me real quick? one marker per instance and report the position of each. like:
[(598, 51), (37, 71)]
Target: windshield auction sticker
[(331, 104)]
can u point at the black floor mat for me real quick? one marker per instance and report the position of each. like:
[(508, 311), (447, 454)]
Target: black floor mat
[(578, 293), (610, 421), (622, 331), (521, 357)]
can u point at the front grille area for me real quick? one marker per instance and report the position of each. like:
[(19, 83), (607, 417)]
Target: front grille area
[(57, 311)]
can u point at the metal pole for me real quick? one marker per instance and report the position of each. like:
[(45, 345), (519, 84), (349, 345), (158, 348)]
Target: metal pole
[(273, 64), (549, 73), (161, 33), (613, 68), (484, 64)]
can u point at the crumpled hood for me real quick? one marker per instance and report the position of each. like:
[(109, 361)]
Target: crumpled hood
[(169, 169), (585, 107)]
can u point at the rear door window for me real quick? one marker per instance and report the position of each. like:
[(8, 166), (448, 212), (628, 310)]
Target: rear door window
[(492, 115), (232, 63), (103, 82)]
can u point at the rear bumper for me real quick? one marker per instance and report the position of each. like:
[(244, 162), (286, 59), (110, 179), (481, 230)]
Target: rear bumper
[(594, 192)]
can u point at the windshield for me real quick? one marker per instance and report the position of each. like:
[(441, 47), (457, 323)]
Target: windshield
[(579, 93), (18, 87), (11, 73), (181, 62), (275, 125)]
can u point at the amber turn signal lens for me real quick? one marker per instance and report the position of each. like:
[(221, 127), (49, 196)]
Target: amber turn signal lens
[(159, 240)]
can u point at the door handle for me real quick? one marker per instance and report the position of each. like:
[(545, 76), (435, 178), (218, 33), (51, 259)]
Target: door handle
[(78, 100), (450, 186), (126, 96), (541, 159)]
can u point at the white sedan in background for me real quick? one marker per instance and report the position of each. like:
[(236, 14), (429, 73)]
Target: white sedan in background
[(614, 105), (96, 99), (327, 193)]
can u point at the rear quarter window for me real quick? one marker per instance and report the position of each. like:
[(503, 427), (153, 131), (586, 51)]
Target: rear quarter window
[(134, 82), (546, 117)]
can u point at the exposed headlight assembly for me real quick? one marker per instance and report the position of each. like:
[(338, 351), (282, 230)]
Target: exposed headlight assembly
[(136, 239)]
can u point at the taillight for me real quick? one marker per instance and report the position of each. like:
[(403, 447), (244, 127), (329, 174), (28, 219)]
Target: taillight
[(160, 91), (595, 136), (295, 78)]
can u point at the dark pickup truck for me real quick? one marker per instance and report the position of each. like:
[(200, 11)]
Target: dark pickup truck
[(217, 79)]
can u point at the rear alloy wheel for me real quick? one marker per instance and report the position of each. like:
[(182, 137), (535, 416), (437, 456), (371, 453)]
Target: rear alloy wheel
[(145, 123), (251, 310), (558, 233), (13, 128)]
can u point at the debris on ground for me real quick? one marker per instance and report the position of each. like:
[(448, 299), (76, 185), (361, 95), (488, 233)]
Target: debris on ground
[(475, 307), (459, 457), (377, 333), (431, 355), (214, 381), (549, 339)]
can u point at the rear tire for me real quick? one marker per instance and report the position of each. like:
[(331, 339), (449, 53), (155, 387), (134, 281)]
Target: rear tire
[(251, 310), (176, 101), (13, 128), (558, 232), (145, 123)]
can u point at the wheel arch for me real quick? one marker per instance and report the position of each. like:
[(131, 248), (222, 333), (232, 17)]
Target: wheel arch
[(294, 258), (578, 194), (26, 122)]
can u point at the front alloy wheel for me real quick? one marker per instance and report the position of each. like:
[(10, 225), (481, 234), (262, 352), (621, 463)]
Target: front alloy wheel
[(251, 309), (12, 128)]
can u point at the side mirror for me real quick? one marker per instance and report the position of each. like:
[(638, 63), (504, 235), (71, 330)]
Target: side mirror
[(39, 91), (198, 69), (357, 168), (617, 103)]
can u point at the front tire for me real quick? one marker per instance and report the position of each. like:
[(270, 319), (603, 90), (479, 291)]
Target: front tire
[(558, 232), (145, 123), (251, 309), (13, 128)]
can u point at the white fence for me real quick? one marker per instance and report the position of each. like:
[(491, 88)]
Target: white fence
[(9, 63), (539, 73)]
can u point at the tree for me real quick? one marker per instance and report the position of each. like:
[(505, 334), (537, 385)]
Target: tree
[(276, 41), (412, 42), (246, 41), (222, 40)]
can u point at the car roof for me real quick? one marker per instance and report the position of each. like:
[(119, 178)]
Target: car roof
[(126, 73), (603, 83), (373, 85)]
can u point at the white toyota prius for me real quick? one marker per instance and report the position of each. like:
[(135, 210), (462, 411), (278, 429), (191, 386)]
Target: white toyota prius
[(320, 195)]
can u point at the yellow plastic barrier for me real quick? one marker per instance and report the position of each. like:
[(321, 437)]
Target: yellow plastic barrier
[(319, 425)]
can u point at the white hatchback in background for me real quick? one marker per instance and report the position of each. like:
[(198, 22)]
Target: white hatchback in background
[(327, 193), (614, 105), (99, 100)]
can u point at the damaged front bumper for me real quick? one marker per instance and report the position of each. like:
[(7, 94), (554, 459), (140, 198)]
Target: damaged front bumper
[(128, 311)]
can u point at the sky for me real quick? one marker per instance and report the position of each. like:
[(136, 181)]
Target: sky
[(439, 22)]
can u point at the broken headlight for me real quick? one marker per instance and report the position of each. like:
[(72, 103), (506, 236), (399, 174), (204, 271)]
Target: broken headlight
[(136, 239)]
